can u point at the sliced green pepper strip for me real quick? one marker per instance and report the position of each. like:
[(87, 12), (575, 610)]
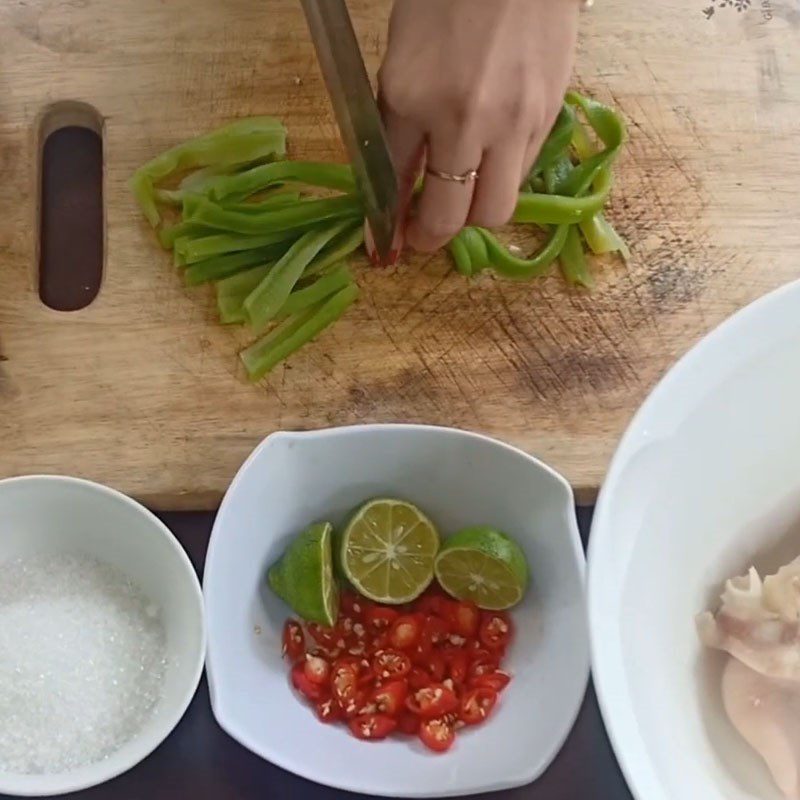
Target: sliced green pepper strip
[(328, 176), (241, 142), (167, 236), (280, 200), (458, 250), (295, 332), (339, 248), (204, 212), (557, 141), (317, 291), (547, 209), (264, 302), (190, 250), (231, 297), (232, 291), (510, 266), (473, 240), (573, 260), (602, 238), (219, 267), (556, 173)]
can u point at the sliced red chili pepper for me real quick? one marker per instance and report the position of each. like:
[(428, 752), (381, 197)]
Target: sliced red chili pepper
[(390, 664), (328, 710), (328, 638), (497, 680), (436, 667), (482, 663), (477, 704), (408, 723), (434, 602), (317, 669), (435, 630), (437, 734), (435, 700), (294, 641), (457, 665), (391, 697), (380, 617), (344, 682), (465, 618), (495, 630), (312, 691), (418, 678), (349, 602), (405, 632), (372, 727)]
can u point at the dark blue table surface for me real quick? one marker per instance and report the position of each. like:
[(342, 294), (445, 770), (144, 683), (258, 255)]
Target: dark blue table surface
[(200, 762)]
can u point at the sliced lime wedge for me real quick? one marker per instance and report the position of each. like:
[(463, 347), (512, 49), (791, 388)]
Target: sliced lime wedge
[(483, 565), (303, 576), (388, 550)]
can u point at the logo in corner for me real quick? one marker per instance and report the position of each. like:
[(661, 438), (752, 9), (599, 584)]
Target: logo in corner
[(739, 6)]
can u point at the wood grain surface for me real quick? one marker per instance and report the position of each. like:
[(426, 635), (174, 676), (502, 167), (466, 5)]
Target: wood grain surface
[(141, 389)]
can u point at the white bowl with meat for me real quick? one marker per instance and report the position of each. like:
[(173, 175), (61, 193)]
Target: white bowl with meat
[(693, 586)]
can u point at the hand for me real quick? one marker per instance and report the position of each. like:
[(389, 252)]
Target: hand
[(471, 84)]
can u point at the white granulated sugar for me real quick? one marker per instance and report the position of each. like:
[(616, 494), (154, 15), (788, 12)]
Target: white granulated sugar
[(82, 661)]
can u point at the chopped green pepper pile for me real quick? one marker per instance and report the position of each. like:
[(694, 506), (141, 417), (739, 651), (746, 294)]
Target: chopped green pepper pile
[(258, 227)]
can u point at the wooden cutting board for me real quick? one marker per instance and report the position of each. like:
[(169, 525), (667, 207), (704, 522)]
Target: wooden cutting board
[(142, 390)]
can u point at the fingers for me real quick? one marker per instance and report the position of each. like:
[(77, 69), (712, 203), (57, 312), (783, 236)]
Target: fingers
[(443, 207), (498, 184), (532, 152), (407, 146)]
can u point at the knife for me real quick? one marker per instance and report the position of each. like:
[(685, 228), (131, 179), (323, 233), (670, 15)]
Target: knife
[(357, 115)]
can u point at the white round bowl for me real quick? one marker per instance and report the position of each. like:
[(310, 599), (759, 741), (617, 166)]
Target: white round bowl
[(460, 479), (47, 514), (705, 482)]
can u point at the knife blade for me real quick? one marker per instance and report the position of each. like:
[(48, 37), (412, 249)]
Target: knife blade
[(357, 115)]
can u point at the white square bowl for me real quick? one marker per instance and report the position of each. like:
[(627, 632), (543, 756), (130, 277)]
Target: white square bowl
[(459, 479)]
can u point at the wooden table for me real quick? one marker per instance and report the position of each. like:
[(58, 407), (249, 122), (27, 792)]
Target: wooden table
[(201, 762)]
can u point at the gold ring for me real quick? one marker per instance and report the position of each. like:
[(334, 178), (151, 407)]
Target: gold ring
[(467, 177)]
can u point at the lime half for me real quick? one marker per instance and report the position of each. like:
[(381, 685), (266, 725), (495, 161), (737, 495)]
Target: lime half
[(388, 550), (483, 565), (303, 577)]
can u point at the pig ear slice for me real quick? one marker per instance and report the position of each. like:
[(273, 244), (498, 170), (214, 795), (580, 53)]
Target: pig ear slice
[(766, 712), (757, 622)]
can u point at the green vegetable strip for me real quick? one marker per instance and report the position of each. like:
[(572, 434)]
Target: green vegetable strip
[(203, 212), (458, 250), (602, 238), (476, 247), (232, 292), (291, 335), (557, 173), (329, 176), (546, 209), (264, 302), (556, 143), (339, 248), (167, 236), (323, 287), (242, 283), (219, 267), (573, 260), (240, 142), (510, 266), (193, 250), (269, 203)]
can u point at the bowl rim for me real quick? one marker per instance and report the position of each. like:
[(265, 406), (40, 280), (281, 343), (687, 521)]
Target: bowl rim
[(521, 778), (100, 772), (611, 688)]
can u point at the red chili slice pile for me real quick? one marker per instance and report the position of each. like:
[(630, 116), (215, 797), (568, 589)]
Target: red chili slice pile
[(423, 670)]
